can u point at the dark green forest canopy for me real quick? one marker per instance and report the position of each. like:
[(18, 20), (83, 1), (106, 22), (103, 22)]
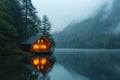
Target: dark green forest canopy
[(12, 34), (13, 22)]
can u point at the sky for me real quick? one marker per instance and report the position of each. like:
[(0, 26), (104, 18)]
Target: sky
[(62, 12)]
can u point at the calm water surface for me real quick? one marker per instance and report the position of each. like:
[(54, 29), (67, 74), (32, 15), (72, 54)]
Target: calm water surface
[(70, 64), (86, 64)]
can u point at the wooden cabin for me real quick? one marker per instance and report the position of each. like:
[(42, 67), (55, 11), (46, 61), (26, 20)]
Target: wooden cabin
[(37, 44)]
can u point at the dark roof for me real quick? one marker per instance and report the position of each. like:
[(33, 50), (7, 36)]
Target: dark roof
[(32, 39)]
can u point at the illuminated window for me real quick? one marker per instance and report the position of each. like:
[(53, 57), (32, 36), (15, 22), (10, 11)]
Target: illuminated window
[(43, 46), (36, 47), (43, 61), (36, 61), (41, 41), (38, 41)]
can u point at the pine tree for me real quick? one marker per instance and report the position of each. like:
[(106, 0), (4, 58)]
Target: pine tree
[(31, 20), (18, 20), (45, 25), (45, 29), (8, 33)]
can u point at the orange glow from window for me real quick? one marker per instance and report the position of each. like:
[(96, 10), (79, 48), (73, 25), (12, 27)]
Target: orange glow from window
[(39, 47), (36, 61), (38, 67), (38, 41), (42, 67), (36, 46), (43, 47), (41, 40), (43, 61), (39, 61)]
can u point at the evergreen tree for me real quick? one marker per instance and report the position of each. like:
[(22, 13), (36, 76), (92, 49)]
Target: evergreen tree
[(31, 20), (46, 25), (45, 29), (8, 33), (18, 20)]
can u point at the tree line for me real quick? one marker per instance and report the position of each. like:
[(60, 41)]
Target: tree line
[(15, 25)]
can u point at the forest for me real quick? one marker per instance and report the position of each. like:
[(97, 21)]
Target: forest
[(13, 23), (99, 32), (18, 21)]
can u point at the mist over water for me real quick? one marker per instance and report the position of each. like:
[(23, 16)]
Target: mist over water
[(80, 64), (71, 64), (61, 73)]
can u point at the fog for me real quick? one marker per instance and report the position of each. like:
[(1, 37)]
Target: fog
[(64, 74), (94, 64), (63, 12)]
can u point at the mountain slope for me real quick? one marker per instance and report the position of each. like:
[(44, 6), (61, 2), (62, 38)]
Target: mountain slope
[(97, 32)]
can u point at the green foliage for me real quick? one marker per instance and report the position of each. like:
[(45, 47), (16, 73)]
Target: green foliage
[(50, 37), (12, 33), (33, 25), (13, 23), (8, 33), (45, 29), (32, 21)]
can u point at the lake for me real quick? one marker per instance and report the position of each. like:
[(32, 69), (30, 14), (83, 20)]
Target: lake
[(86, 64), (70, 64)]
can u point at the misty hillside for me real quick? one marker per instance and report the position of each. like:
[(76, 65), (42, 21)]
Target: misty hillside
[(101, 31)]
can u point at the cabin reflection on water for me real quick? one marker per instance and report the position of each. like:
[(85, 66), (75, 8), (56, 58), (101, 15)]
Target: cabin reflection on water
[(39, 66)]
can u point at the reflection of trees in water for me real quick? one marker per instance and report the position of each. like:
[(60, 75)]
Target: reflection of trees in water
[(44, 77), (98, 66), (39, 76)]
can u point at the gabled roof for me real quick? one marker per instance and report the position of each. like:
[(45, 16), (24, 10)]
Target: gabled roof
[(32, 39)]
